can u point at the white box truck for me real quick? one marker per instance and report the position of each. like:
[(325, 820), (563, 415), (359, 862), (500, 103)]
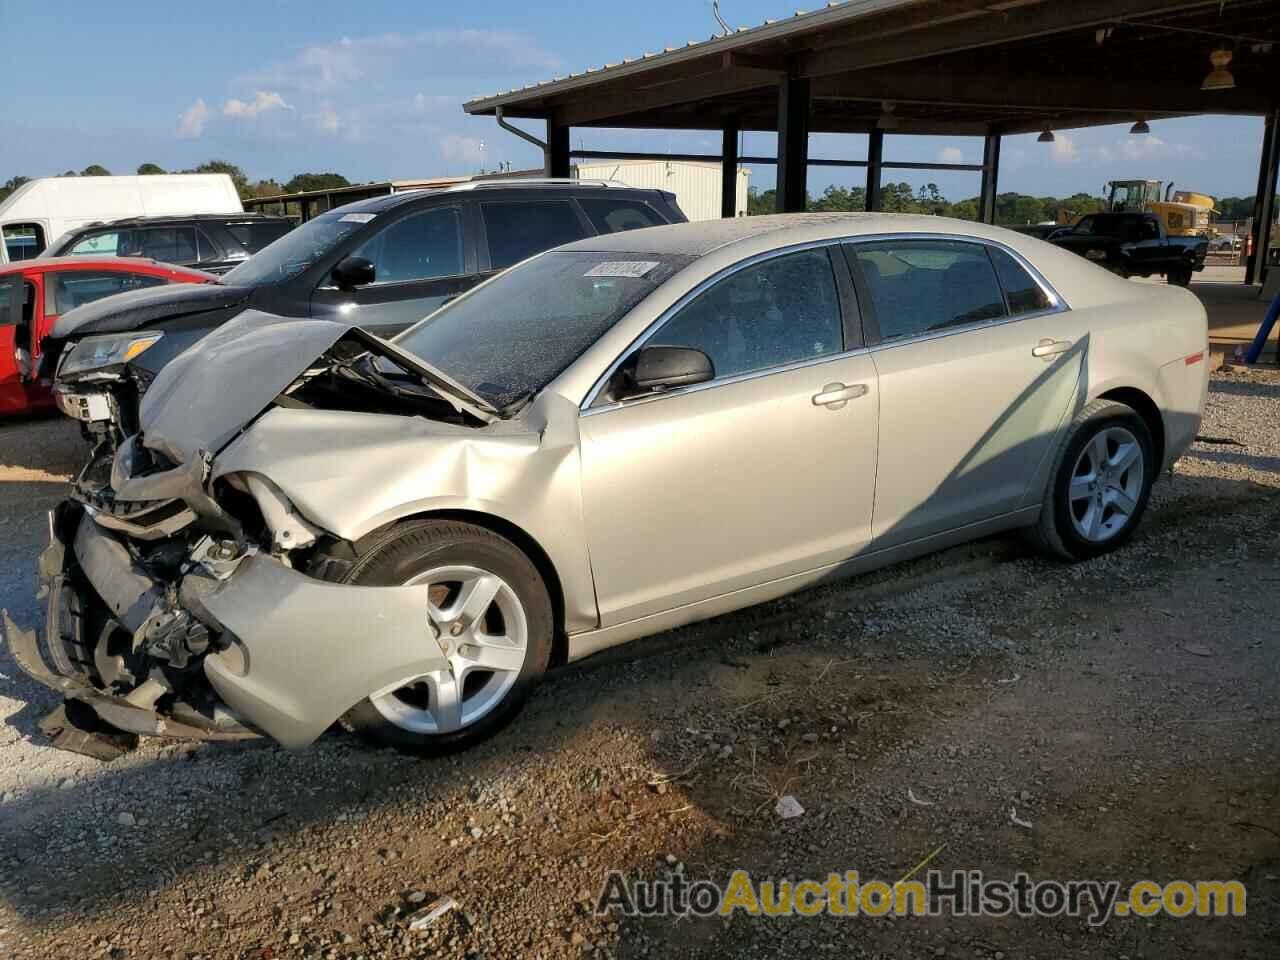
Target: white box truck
[(40, 211)]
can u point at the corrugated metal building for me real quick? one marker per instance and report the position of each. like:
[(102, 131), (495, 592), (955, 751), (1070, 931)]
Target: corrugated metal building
[(696, 185)]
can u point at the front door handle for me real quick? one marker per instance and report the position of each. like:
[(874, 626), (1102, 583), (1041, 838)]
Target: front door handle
[(835, 395), (1048, 349)]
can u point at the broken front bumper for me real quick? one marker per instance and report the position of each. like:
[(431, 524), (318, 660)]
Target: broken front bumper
[(294, 653)]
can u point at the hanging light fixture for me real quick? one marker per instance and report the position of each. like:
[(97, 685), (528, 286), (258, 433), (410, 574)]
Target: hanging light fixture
[(1140, 127), (887, 120), (1046, 136), (1219, 77)]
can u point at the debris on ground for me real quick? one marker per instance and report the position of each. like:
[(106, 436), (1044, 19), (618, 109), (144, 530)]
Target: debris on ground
[(437, 908), (788, 807), (1014, 818), (916, 800)]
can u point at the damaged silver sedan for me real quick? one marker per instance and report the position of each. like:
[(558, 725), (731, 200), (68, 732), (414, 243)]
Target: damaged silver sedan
[(312, 525)]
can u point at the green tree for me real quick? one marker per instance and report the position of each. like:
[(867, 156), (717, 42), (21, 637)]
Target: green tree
[(761, 202), (149, 170), (95, 170), (316, 181)]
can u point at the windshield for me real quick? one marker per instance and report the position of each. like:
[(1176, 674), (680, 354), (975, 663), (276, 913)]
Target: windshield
[(296, 250), (517, 333)]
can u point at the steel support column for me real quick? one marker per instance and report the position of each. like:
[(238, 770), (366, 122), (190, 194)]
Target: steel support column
[(557, 150), (990, 178), (793, 144), (1264, 200), (729, 169), (875, 158)]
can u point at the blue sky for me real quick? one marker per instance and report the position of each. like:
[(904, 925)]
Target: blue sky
[(373, 90)]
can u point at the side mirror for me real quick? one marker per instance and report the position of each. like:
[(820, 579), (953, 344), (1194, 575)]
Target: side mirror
[(353, 272), (661, 368)]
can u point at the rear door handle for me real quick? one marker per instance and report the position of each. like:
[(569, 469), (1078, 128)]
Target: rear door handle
[(1047, 349), (836, 395)]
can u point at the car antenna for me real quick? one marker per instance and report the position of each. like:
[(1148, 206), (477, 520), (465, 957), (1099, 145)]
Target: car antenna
[(715, 9)]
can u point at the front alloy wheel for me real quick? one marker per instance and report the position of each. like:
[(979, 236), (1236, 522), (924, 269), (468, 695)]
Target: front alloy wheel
[(479, 624), (488, 613)]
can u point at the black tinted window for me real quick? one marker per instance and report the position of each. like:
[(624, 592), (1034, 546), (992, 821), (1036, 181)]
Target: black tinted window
[(922, 285), (168, 244), (74, 288), (254, 236), (772, 313), (1021, 292), (613, 215), (519, 229), (421, 246)]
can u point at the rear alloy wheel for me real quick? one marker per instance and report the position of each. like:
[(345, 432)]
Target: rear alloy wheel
[(1100, 484), (489, 614)]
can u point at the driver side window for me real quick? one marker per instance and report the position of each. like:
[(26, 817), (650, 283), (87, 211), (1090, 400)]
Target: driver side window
[(421, 246), (772, 313)]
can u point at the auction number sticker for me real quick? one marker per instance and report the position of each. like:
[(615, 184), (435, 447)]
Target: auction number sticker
[(621, 268)]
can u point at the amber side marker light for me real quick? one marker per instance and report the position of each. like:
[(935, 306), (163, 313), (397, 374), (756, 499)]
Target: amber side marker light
[(1195, 358)]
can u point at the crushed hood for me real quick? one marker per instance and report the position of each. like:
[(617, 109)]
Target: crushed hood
[(138, 308), (209, 393)]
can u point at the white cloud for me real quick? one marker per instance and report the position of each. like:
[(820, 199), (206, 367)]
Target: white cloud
[(326, 68), (458, 149), (1065, 150), (263, 101), (192, 120), (951, 155)]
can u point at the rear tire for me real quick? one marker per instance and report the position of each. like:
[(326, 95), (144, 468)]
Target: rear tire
[(1180, 276), (1099, 484), (489, 608)]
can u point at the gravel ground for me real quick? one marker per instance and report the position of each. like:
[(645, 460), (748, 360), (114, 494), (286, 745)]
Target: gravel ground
[(1125, 708)]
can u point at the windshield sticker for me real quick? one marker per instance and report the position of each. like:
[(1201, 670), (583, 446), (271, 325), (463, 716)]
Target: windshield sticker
[(357, 217), (621, 268)]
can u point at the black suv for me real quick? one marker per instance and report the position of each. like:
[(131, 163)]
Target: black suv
[(211, 242), (383, 263)]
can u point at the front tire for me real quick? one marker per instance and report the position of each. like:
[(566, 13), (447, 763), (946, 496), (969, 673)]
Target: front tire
[(1180, 276), (490, 613), (1100, 483)]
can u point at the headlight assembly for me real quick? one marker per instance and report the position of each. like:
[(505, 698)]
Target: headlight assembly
[(99, 353)]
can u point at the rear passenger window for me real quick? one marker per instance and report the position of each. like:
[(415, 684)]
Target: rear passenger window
[(519, 229), (170, 244), (780, 311), (613, 215), (925, 285), (1021, 291)]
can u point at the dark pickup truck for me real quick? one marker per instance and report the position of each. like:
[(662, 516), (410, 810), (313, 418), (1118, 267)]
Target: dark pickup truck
[(1134, 245)]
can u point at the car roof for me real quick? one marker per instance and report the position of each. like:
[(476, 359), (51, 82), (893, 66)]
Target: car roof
[(704, 236), (122, 264), (183, 218), (486, 187)]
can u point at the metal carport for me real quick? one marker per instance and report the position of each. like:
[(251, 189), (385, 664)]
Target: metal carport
[(942, 67)]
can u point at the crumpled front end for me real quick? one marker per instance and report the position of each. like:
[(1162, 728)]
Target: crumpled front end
[(195, 579)]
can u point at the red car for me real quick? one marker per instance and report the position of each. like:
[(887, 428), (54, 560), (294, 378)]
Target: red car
[(34, 293)]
